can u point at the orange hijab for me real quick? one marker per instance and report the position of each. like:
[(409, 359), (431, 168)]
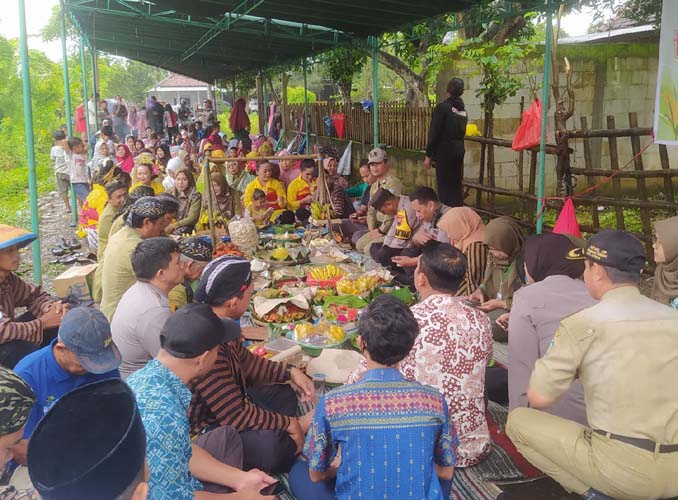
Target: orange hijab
[(463, 226)]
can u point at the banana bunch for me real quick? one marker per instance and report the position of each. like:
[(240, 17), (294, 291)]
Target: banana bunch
[(358, 286), (319, 211), (336, 333), (327, 272)]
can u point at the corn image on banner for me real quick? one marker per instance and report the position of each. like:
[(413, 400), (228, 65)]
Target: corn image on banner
[(666, 104)]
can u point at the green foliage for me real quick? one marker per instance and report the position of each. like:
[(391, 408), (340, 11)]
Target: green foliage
[(295, 95), (226, 127), (341, 64), (130, 79)]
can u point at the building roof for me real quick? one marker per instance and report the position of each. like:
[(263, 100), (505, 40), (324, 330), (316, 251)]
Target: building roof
[(219, 39), (645, 33), (181, 81)]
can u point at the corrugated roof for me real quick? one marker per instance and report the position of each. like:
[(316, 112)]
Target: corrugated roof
[(175, 80), (210, 39)]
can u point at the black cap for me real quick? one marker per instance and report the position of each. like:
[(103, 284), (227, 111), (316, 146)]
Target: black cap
[(380, 197), (191, 331), (232, 329), (223, 278), (618, 249), (91, 444)]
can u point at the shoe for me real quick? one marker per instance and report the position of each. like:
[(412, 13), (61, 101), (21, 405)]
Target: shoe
[(75, 244), (58, 251), (596, 495)]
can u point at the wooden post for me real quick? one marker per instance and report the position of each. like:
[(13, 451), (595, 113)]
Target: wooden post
[(260, 104), (533, 178), (640, 182), (520, 165), (589, 164), (614, 165), (283, 104)]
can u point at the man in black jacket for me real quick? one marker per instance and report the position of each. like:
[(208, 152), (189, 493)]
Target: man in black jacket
[(446, 144)]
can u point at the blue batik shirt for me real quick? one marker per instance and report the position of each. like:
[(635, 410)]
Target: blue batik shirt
[(163, 401), (391, 433)]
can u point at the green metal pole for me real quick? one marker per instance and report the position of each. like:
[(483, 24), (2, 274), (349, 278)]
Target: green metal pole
[(544, 115), (95, 89), (30, 146), (375, 89), (308, 144), (85, 97), (67, 99)]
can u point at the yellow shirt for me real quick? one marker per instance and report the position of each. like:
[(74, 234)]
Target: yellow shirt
[(157, 187), (274, 191), (297, 191)]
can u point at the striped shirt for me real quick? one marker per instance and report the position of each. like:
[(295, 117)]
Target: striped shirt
[(221, 397), (15, 292), (476, 261)]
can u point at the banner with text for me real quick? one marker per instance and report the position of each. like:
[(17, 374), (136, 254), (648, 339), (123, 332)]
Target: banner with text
[(666, 104)]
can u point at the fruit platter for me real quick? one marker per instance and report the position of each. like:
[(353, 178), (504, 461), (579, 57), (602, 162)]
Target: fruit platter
[(283, 256), (276, 306), (325, 276), (313, 338)]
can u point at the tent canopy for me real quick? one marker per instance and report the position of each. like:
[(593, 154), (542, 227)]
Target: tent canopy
[(219, 39)]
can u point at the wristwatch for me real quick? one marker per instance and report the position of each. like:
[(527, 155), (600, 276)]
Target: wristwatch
[(288, 371)]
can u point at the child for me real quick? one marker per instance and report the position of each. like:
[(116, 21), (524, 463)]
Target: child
[(79, 172), (257, 210), (276, 197), (104, 147), (383, 419), (144, 176), (61, 167)]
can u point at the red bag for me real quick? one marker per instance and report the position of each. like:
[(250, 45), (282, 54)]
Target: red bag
[(529, 131), (567, 220)]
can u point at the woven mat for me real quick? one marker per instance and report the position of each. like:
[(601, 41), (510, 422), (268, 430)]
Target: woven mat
[(500, 353)]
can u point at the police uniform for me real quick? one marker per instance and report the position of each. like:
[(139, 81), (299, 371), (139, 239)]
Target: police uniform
[(376, 220), (625, 352)]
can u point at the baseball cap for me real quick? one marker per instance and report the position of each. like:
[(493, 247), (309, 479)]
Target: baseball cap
[(613, 248), (223, 278), (191, 331), (90, 444), (377, 155), (87, 334)]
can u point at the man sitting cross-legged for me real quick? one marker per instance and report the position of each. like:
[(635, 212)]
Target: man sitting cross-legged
[(383, 437)]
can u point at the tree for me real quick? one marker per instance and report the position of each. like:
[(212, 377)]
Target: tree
[(295, 95), (341, 65)]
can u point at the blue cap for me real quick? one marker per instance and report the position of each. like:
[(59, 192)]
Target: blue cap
[(87, 334)]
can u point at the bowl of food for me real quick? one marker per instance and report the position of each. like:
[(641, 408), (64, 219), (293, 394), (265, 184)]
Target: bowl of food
[(313, 338), (274, 306)]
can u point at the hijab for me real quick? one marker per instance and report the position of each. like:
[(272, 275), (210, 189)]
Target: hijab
[(463, 225), (162, 162), (546, 255), (502, 276), (665, 287), (172, 166), (239, 119), (126, 161), (225, 203), (504, 233)]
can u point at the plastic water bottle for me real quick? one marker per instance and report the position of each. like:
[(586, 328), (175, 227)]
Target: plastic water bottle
[(319, 385)]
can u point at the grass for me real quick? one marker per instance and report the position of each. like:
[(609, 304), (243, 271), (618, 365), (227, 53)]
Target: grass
[(14, 196)]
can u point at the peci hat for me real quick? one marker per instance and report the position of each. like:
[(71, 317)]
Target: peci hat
[(377, 155), (192, 330), (613, 248), (223, 278), (90, 444), (87, 334)]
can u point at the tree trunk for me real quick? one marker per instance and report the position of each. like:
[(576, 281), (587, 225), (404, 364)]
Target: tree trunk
[(417, 89)]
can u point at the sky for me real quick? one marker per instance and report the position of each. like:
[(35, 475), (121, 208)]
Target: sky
[(39, 11)]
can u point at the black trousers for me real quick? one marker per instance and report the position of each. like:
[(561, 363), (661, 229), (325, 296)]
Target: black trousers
[(383, 255), (496, 384), (13, 352), (449, 166), (271, 451)]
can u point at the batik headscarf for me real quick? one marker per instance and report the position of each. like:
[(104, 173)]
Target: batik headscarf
[(196, 248)]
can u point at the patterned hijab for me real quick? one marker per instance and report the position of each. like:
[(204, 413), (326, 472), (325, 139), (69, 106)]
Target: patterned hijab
[(16, 402)]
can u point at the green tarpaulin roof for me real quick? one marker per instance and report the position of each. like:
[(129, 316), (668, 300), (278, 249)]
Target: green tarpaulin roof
[(215, 39)]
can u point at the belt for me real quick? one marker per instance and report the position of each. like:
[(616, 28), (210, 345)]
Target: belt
[(643, 444)]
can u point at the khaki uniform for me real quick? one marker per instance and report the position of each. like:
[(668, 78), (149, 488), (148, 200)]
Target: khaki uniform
[(117, 274), (375, 219), (625, 352)]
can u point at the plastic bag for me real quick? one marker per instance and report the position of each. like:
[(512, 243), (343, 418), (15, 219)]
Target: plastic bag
[(529, 131), (567, 220), (244, 235)]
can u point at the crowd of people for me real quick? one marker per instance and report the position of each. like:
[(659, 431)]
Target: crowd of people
[(152, 394)]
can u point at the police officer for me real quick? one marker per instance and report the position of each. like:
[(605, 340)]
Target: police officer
[(625, 352), (446, 144), (379, 224)]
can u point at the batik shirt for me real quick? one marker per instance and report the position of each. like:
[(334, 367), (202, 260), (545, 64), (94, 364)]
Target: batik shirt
[(391, 433), (163, 404)]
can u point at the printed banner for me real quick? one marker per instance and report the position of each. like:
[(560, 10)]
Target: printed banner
[(666, 104)]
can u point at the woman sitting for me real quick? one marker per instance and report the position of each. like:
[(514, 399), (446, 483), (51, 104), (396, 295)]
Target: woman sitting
[(554, 291), (162, 157), (144, 177), (665, 287), (276, 198), (504, 240), (236, 175), (226, 203), (466, 231), (124, 157), (189, 203), (341, 204)]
